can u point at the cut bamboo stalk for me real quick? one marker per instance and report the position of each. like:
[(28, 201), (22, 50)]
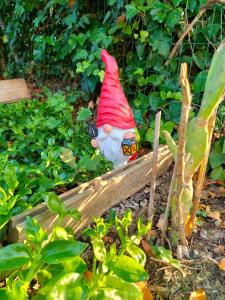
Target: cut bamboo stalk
[(180, 162), (151, 208), (95, 197)]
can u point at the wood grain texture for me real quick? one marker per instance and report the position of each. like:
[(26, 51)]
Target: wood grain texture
[(13, 90), (95, 197)]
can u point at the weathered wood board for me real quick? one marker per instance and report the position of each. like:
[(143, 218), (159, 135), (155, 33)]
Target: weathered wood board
[(13, 90), (98, 195)]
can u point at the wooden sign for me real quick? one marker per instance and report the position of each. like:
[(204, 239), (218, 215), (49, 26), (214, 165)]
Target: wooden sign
[(13, 90)]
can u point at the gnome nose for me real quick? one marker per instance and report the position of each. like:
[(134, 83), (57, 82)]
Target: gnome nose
[(107, 128)]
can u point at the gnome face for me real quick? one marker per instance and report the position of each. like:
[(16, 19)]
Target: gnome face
[(109, 141), (115, 120)]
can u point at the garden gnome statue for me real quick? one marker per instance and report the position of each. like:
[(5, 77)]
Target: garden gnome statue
[(115, 122)]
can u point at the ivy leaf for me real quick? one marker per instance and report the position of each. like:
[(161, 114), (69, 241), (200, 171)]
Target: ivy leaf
[(176, 2), (131, 11), (174, 17), (199, 82), (84, 114)]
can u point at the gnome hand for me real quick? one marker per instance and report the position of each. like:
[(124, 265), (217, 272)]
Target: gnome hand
[(129, 135), (94, 143)]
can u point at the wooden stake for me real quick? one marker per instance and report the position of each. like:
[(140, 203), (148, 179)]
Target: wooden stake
[(151, 208)]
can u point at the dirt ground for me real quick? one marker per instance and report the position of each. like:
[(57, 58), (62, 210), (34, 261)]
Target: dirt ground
[(206, 245)]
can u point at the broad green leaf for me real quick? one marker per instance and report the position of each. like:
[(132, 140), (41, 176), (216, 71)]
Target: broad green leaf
[(216, 159), (131, 11), (71, 286), (13, 256), (34, 232), (165, 255), (54, 203), (84, 114), (3, 197), (56, 251), (199, 82), (128, 269), (116, 288), (174, 17), (76, 264), (137, 253), (143, 35), (218, 173), (75, 214), (98, 248)]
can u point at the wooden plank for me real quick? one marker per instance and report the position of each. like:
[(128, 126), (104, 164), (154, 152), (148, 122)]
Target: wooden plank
[(13, 90), (98, 195)]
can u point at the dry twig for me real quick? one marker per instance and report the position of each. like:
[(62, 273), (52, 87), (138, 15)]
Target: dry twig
[(202, 10)]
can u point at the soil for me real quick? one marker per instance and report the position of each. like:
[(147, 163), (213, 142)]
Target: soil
[(201, 269)]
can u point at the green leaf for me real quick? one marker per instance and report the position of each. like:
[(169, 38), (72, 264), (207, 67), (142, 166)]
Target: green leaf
[(54, 203), (131, 11), (116, 288), (165, 255), (56, 251), (34, 232), (218, 174), (84, 114), (216, 159), (128, 269), (71, 286), (199, 82), (3, 197), (75, 214), (13, 256), (135, 252), (143, 35), (98, 248), (174, 17)]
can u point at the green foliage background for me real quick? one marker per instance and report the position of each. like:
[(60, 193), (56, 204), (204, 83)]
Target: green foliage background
[(63, 39)]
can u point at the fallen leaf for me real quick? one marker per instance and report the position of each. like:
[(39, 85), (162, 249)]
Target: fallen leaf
[(161, 221), (212, 194), (221, 264), (210, 181), (219, 249), (212, 214), (198, 295), (222, 224), (121, 19), (222, 190), (147, 295), (107, 239), (147, 248), (88, 276)]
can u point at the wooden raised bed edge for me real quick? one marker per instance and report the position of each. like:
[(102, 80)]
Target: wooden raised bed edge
[(96, 196), (13, 90)]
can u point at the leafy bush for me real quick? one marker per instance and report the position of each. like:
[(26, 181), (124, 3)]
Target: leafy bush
[(64, 38), (35, 135), (54, 261)]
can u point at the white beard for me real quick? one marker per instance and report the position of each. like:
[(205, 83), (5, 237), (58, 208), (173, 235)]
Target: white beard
[(110, 145)]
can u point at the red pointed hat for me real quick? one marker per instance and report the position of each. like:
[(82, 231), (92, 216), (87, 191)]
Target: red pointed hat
[(113, 106)]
